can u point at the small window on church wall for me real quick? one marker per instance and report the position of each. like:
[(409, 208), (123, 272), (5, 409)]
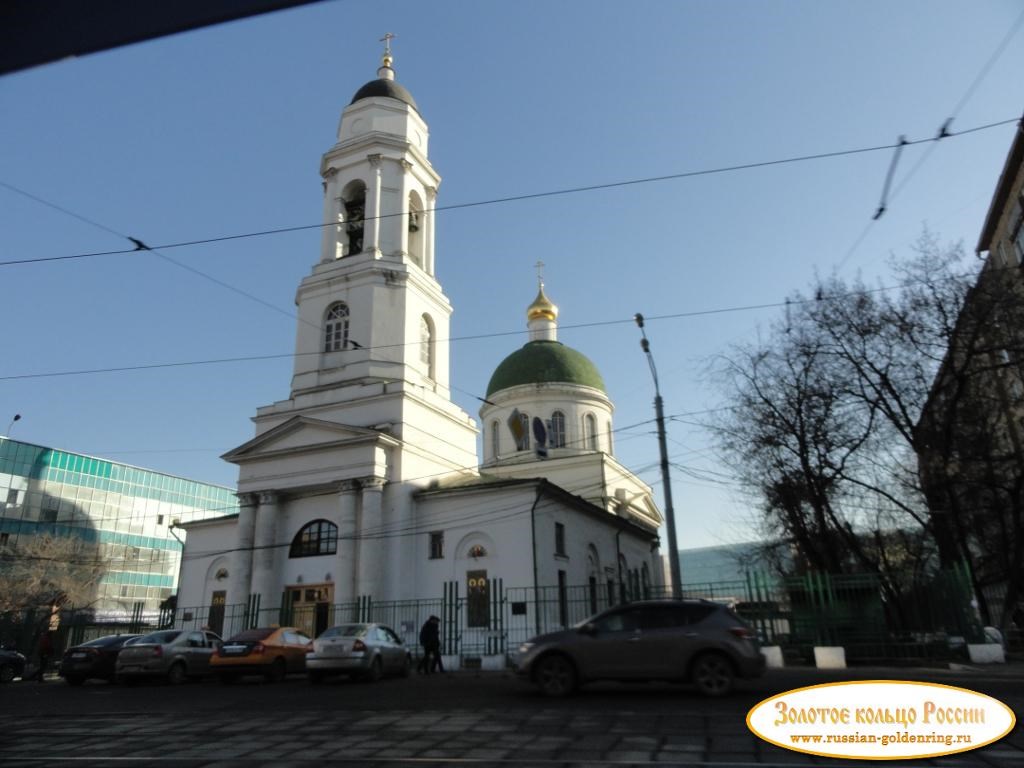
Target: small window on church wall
[(590, 432), (524, 444), (557, 430), (336, 328), (495, 438), (610, 444), (427, 344), (436, 545), (354, 215)]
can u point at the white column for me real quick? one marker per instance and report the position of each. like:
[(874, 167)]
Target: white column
[(331, 241), (428, 230), (403, 206), (264, 579), (241, 570), (371, 214), (344, 562), (371, 549)]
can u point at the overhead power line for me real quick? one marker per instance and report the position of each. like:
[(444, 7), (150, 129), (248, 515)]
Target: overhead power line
[(480, 203), (471, 337)]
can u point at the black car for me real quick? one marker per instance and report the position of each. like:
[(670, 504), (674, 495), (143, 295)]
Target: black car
[(12, 665), (93, 660), (693, 641)]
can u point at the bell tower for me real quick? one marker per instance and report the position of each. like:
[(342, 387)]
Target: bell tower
[(373, 322), (372, 309)]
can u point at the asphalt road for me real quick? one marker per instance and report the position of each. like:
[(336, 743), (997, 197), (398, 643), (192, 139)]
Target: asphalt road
[(463, 719)]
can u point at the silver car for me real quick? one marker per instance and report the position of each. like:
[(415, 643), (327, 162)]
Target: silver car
[(174, 654), (369, 651), (693, 641)]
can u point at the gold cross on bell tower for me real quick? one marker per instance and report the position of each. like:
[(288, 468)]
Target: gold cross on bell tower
[(388, 37), (540, 272)]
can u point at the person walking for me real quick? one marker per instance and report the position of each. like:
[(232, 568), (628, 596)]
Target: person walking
[(430, 640), (45, 652)]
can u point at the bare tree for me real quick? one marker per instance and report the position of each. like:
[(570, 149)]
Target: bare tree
[(44, 570), (822, 424)]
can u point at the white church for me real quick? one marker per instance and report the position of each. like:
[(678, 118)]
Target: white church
[(364, 486)]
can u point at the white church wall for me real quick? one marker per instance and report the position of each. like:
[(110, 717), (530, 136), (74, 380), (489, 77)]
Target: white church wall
[(206, 543), (497, 519)]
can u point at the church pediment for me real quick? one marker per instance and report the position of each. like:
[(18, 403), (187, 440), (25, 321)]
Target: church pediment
[(301, 434)]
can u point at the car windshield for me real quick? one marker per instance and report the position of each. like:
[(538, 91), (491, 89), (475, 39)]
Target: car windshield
[(252, 635), (345, 630), (160, 638)]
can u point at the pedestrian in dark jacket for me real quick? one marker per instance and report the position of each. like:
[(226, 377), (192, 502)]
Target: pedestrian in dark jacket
[(45, 651), (430, 639)]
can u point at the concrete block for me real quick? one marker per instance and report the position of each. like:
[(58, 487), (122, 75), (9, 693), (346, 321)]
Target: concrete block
[(988, 653), (829, 657), (773, 656), (494, 663)]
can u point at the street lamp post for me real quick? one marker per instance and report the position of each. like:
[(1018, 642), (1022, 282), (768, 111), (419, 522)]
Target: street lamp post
[(670, 515)]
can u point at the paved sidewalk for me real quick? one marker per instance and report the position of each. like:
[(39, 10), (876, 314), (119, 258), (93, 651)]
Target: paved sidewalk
[(402, 739)]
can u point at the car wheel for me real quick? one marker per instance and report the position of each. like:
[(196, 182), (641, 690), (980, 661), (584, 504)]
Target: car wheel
[(278, 670), (555, 675), (75, 680), (376, 671), (713, 674), (6, 673), (176, 674), (406, 669)]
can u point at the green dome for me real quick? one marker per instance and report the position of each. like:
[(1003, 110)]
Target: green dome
[(543, 362)]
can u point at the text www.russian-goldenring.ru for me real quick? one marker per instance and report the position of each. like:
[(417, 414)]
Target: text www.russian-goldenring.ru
[(905, 737)]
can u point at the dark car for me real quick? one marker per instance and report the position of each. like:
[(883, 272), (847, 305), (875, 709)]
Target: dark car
[(12, 665), (694, 641), (94, 659)]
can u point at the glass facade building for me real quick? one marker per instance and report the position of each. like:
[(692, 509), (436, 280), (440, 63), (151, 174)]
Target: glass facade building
[(125, 511)]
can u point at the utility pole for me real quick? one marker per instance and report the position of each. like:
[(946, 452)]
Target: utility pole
[(670, 515)]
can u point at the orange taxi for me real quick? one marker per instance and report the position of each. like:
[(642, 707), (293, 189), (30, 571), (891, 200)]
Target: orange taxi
[(272, 652)]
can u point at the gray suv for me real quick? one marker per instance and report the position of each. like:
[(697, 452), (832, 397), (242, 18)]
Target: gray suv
[(694, 641)]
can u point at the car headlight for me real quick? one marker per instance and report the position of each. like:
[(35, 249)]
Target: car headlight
[(525, 647)]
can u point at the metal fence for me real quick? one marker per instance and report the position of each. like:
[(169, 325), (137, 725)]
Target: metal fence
[(933, 621)]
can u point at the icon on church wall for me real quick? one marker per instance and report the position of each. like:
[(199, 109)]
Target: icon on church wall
[(518, 427), (540, 437), (477, 599)]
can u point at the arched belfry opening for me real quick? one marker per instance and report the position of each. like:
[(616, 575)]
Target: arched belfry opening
[(416, 227), (352, 217)]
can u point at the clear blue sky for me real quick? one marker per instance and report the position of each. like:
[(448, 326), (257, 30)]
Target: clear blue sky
[(220, 131)]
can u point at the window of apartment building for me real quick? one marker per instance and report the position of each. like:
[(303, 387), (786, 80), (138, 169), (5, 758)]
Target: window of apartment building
[(560, 539), (4, 539), (436, 545)]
